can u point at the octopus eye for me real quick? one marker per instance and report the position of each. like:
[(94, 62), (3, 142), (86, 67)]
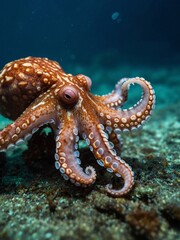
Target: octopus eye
[(86, 81), (89, 82), (69, 96)]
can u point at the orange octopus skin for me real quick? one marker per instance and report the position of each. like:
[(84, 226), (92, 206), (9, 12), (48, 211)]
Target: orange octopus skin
[(36, 91)]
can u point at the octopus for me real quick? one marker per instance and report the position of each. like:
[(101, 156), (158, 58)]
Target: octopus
[(36, 92)]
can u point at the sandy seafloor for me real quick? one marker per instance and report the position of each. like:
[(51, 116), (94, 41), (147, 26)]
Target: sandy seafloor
[(37, 203)]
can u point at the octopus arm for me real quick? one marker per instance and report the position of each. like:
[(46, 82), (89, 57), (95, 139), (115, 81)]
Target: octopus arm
[(97, 139), (132, 118), (67, 154), (116, 98), (115, 139), (35, 116)]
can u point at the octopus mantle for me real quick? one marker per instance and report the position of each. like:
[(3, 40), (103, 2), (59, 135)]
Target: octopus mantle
[(36, 91)]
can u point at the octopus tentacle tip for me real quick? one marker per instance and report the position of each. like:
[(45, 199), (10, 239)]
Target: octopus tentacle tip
[(50, 96), (119, 192), (90, 171)]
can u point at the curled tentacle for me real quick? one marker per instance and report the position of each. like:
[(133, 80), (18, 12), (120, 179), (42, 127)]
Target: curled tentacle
[(104, 152), (116, 98), (134, 117), (67, 154), (36, 115)]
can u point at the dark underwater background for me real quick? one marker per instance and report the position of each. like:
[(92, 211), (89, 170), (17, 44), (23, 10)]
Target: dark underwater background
[(105, 40)]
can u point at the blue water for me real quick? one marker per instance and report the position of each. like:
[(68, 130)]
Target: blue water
[(105, 39), (79, 31)]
